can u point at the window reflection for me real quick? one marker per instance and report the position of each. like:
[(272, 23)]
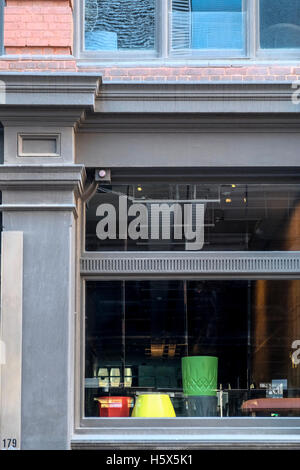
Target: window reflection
[(192, 348), (207, 25), (279, 24), (119, 25)]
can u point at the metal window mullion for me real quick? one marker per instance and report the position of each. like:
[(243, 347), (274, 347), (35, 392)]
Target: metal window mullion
[(2, 27), (163, 8), (256, 28), (80, 24), (247, 20)]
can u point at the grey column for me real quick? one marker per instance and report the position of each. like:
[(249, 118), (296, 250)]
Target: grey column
[(41, 202)]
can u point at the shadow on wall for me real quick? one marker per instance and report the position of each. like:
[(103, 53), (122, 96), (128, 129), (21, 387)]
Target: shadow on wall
[(1, 144), (277, 320), (1, 163)]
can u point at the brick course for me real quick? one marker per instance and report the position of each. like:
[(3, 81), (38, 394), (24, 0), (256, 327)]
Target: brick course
[(201, 73)]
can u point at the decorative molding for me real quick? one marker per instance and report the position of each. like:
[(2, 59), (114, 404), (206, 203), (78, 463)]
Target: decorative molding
[(188, 264), (183, 123), (53, 99), (223, 97), (41, 88), (80, 98), (15, 116), (53, 140), (195, 91), (38, 207), (43, 177)]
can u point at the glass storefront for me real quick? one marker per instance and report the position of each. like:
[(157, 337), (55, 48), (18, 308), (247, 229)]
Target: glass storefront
[(192, 345), (194, 217), (209, 348)]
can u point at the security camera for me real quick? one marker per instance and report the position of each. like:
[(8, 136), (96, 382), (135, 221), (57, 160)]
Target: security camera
[(103, 175)]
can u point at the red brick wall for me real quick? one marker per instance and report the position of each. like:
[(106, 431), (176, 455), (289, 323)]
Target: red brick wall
[(38, 27), (45, 27)]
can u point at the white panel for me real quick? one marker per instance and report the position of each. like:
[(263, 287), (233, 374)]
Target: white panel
[(11, 339)]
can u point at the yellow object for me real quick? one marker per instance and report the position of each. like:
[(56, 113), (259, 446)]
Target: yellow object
[(127, 377), (103, 377), (153, 406), (115, 377)]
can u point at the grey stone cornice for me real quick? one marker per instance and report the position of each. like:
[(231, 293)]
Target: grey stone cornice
[(43, 177), (45, 116), (39, 208), (51, 89), (50, 99), (230, 97), (78, 99), (192, 123)]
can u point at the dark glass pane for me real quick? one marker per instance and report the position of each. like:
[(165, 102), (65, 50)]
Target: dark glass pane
[(204, 24), (228, 217), (119, 25), (104, 339), (213, 348), (279, 24)]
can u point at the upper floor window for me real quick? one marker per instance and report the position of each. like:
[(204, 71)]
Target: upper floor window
[(123, 25), (190, 28), (204, 25), (279, 24)]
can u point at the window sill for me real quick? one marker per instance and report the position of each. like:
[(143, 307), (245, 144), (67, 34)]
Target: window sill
[(188, 433), (118, 441), (181, 62)]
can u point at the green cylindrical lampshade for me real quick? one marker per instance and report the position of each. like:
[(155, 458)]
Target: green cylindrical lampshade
[(199, 375)]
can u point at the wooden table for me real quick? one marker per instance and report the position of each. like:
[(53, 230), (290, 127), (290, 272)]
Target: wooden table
[(270, 405)]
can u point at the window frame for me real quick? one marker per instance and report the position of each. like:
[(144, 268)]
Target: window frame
[(163, 55), (2, 5), (196, 429), (134, 55), (217, 53), (96, 425)]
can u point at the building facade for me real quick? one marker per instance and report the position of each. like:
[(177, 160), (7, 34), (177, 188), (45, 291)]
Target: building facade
[(150, 181)]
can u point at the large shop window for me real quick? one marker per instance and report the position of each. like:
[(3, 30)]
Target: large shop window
[(190, 345), (192, 348), (195, 29)]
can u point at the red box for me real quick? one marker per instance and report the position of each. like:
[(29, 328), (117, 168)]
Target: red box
[(114, 407)]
